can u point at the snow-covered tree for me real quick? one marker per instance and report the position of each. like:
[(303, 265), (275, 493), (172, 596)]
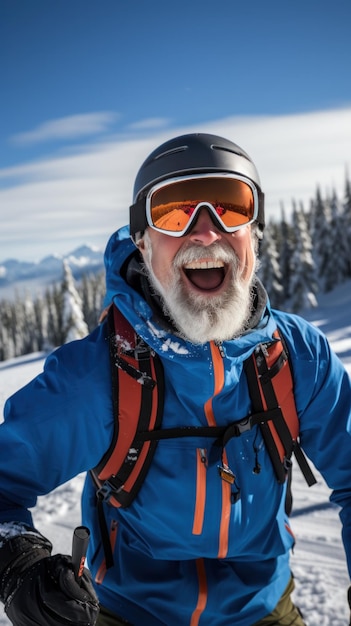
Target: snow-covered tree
[(73, 324), (337, 268), (347, 219), (269, 270), (8, 330), (285, 247), (303, 280), (92, 291), (323, 253)]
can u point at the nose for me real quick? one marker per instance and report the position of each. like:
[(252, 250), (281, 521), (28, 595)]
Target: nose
[(204, 230)]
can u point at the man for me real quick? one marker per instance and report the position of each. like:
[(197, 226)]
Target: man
[(206, 540)]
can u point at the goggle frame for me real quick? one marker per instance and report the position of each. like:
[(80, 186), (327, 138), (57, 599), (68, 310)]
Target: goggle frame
[(202, 203)]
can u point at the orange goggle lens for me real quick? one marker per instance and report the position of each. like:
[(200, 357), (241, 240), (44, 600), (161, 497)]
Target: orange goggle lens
[(171, 207)]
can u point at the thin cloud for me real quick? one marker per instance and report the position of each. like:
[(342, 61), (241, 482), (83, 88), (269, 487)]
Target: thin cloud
[(151, 123), (66, 128)]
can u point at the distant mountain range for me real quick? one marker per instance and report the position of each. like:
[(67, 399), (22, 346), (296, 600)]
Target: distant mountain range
[(21, 276)]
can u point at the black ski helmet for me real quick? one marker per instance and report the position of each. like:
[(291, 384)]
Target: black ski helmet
[(190, 154)]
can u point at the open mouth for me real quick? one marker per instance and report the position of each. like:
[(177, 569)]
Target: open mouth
[(206, 275)]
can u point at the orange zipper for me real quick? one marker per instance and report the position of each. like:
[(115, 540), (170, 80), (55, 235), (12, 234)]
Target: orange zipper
[(218, 368), (225, 516), (200, 500), (202, 597)]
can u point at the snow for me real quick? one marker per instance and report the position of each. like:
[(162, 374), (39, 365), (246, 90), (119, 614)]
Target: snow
[(318, 560), (174, 346)]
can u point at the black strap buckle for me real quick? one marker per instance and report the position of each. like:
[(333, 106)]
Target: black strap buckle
[(237, 429), (108, 490)]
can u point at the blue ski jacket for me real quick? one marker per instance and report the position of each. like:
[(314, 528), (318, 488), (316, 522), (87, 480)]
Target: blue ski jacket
[(185, 552)]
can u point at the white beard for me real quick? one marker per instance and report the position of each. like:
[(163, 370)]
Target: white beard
[(201, 317)]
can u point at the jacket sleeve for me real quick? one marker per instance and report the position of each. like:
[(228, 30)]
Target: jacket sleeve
[(57, 426), (323, 399)]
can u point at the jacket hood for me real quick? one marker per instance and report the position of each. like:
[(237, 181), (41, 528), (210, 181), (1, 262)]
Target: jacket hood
[(119, 248), (127, 287)]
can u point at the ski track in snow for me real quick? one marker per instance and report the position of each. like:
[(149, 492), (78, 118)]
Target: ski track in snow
[(318, 561)]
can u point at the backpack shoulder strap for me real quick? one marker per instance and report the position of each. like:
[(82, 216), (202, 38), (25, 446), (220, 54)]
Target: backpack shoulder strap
[(138, 394), (271, 387)]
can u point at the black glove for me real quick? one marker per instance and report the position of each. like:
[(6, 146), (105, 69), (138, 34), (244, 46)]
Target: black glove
[(39, 589)]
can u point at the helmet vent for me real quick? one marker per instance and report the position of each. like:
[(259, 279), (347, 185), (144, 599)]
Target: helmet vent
[(238, 152), (172, 151)]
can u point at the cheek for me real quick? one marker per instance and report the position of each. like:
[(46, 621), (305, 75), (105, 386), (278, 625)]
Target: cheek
[(242, 244), (162, 259), (250, 263), (159, 266)]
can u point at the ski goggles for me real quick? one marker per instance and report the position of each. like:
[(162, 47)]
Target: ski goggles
[(173, 205)]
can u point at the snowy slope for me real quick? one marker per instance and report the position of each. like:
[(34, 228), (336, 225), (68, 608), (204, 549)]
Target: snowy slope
[(318, 560)]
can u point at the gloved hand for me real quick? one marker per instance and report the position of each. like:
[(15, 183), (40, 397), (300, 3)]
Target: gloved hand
[(45, 593)]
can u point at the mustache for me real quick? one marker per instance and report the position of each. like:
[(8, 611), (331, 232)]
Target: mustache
[(217, 252)]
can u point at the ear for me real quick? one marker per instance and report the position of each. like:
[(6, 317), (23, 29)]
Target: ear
[(140, 244)]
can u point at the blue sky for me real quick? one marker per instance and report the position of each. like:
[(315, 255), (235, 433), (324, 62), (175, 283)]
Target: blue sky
[(92, 86)]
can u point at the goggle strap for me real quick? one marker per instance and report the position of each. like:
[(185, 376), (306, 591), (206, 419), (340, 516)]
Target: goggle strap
[(260, 216), (137, 217)]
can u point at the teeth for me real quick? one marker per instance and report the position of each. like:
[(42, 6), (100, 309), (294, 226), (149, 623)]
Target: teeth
[(203, 265)]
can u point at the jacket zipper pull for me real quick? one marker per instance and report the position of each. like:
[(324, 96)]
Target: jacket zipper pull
[(203, 456), (226, 474)]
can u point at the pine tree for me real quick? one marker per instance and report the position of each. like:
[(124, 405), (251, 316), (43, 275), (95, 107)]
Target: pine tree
[(27, 327), (339, 248), (92, 291), (269, 270), (303, 280), (347, 220), (8, 330), (322, 245), (73, 324), (41, 315), (53, 299), (285, 247)]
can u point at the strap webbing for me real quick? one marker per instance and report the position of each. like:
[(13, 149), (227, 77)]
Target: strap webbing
[(271, 386), (221, 433)]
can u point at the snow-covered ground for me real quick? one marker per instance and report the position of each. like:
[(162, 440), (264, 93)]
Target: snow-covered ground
[(318, 560)]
